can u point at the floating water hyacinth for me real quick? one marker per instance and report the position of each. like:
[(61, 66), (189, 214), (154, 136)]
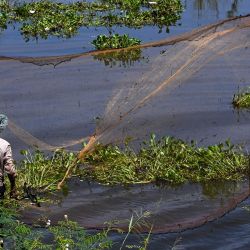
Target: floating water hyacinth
[(3, 122)]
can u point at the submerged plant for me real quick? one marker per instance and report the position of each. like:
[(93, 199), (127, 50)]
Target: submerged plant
[(242, 98)]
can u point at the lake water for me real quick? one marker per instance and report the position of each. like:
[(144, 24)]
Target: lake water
[(58, 103)]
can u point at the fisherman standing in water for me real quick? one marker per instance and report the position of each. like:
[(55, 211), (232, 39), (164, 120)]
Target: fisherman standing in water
[(6, 162)]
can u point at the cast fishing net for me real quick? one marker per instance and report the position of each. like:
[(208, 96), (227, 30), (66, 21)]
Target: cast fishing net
[(180, 61), (185, 89)]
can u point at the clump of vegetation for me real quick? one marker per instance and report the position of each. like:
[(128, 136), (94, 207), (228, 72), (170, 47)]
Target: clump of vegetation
[(43, 172), (166, 160), (120, 58), (65, 234), (45, 18), (115, 41), (242, 99), (4, 14)]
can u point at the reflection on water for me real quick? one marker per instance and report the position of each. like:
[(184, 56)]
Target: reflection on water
[(204, 5), (201, 5), (172, 209), (234, 9), (124, 58), (213, 189), (207, 11)]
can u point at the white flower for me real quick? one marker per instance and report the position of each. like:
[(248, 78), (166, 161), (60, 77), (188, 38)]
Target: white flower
[(66, 217), (32, 11), (46, 29), (152, 3), (48, 223), (67, 247)]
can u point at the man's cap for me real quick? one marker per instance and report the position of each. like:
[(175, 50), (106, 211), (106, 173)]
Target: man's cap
[(3, 122)]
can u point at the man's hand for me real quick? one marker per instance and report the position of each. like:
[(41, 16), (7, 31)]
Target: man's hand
[(2, 190), (13, 192)]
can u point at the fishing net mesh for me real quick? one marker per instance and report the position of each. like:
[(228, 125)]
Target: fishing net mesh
[(219, 52), (180, 60)]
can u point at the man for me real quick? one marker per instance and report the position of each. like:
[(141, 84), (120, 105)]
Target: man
[(6, 162)]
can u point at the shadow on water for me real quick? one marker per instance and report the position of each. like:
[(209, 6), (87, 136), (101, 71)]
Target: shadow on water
[(173, 209)]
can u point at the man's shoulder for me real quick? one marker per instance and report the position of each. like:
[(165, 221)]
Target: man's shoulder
[(3, 143)]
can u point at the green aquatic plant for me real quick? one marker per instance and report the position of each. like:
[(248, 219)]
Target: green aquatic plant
[(115, 41), (65, 234), (15, 234), (43, 172), (44, 18), (137, 223), (167, 160), (4, 14), (69, 234), (41, 19), (242, 98)]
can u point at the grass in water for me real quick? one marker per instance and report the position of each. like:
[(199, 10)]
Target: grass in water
[(242, 98), (65, 234), (41, 19), (43, 172), (167, 160), (115, 41)]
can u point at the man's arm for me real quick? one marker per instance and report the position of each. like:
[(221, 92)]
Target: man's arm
[(9, 168)]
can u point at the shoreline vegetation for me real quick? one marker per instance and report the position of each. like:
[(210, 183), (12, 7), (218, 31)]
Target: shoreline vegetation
[(42, 19), (66, 234)]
